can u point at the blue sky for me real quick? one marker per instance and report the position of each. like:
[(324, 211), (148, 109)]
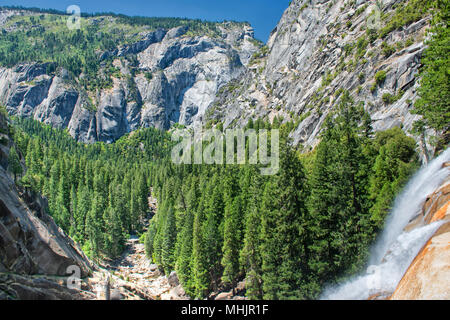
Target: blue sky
[(262, 14)]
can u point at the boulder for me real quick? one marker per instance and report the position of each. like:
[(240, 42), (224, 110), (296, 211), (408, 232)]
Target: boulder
[(224, 296), (173, 279)]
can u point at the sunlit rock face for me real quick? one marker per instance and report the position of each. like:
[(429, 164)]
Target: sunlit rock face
[(175, 80), (312, 55), (428, 277)]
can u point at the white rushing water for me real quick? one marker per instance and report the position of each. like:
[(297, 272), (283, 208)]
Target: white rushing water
[(395, 249)]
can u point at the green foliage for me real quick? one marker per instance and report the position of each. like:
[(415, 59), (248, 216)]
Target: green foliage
[(14, 163), (263, 51), (387, 50), (434, 90), (390, 99), (361, 46), (380, 77), (286, 235), (339, 211), (372, 35), (395, 163), (149, 76), (97, 193), (48, 40), (283, 218), (406, 13), (328, 78)]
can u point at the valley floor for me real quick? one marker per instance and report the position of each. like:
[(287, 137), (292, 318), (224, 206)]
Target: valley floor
[(132, 276)]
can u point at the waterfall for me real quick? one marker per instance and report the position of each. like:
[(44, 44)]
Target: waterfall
[(395, 249)]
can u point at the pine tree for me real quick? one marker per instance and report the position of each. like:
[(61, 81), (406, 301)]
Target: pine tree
[(213, 224), (434, 90), (339, 202), (94, 226), (114, 241), (184, 261), (81, 211), (232, 242), (283, 233), (250, 256), (395, 161), (169, 235), (14, 163), (199, 256)]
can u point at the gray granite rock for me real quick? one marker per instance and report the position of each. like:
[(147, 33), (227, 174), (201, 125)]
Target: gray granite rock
[(186, 74)]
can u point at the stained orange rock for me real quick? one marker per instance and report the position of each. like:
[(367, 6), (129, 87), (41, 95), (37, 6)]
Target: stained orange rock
[(442, 213), (434, 208), (428, 277), (436, 201)]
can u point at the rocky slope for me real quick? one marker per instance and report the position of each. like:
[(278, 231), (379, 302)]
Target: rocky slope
[(176, 75), (320, 48), (34, 252)]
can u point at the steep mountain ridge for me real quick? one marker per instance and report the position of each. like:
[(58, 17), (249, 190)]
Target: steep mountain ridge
[(320, 48), (158, 78), (176, 75)]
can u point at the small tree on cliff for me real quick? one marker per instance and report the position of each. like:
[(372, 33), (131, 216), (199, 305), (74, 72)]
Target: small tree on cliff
[(14, 163)]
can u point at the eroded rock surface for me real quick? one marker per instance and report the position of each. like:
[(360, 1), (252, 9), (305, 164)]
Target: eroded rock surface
[(175, 79), (318, 49), (428, 277), (31, 244)]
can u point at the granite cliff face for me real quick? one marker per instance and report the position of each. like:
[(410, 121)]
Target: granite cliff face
[(320, 48), (34, 251), (175, 78)]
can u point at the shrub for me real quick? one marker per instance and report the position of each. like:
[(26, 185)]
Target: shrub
[(406, 14), (387, 49), (409, 42), (361, 77), (380, 77), (390, 99), (359, 89), (373, 87), (372, 35), (148, 76)]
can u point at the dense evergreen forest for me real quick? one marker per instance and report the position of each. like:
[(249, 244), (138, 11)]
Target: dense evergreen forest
[(97, 193), (287, 234)]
